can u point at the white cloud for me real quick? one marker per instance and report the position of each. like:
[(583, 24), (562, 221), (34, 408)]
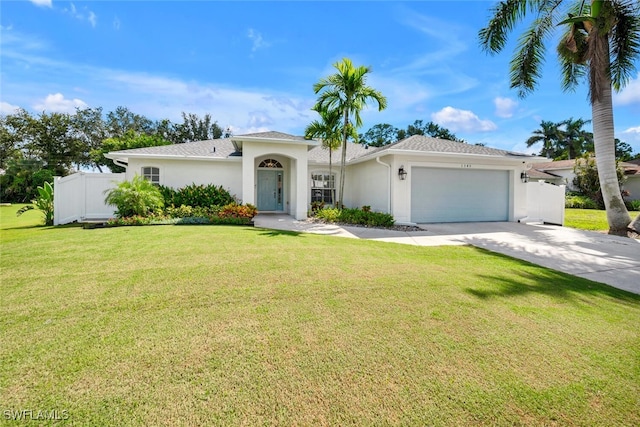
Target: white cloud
[(462, 120), (504, 106), (43, 3), (85, 14), (6, 108), (92, 19), (258, 41), (57, 103), (630, 94), (632, 135), (244, 110)]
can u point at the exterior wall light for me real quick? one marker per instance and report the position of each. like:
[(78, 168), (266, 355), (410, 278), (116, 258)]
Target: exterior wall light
[(524, 176), (402, 173)]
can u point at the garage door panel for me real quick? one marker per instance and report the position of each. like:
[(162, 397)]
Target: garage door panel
[(459, 195)]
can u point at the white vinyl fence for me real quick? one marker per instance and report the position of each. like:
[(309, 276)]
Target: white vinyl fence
[(80, 197), (545, 203)]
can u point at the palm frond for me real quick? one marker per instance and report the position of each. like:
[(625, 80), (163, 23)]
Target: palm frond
[(525, 67), (505, 15), (625, 42)]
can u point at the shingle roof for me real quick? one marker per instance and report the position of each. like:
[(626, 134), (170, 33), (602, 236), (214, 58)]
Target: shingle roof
[(354, 151), (419, 143), (273, 135), (223, 148), (435, 145), (214, 148)]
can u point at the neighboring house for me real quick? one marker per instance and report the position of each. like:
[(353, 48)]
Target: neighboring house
[(560, 172), (418, 180)]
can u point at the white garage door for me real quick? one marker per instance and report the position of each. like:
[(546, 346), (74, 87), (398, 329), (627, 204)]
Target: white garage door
[(459, 195)]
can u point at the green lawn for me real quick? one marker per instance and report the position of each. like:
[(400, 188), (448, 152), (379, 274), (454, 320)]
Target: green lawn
[(213, 325), (588, 219)]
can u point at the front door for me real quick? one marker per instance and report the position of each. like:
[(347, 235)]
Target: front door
[(270, 191)]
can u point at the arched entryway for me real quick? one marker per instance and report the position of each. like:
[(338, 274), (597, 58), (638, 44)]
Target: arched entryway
[(270, 186)]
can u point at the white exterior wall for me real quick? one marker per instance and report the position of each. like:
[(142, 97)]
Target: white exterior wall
[(368, 184), (296, 196), (401, 189), (632, 185), (180, 173)]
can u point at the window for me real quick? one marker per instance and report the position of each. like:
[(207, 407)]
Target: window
[(323, 188), (151, 174), (270, 163)]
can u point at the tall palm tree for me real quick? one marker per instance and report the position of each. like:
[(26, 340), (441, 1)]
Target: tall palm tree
[(329, 130), (573, 138), (548, 134), (347, 92), (601, 42)]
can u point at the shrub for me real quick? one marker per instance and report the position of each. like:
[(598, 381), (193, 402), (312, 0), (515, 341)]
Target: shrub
[(316, 206), (328, 214), (632, 205), (195, 195), (366, 217), (587, 181), (130, 220), (43, 202), (580, 202), (356, 217), (137, 197), (234, 210)]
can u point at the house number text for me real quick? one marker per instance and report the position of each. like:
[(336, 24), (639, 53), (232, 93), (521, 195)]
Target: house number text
[(465, 165)]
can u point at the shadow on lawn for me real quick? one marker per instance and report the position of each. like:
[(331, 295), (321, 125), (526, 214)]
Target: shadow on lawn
[(547, 282), (275, 233)]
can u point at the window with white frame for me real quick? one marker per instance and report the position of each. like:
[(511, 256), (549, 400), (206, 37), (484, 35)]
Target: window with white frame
[(151, 174), (323, 188)]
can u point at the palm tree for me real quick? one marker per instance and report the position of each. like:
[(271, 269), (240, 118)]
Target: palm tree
[(329, 130), (346, 91), (573, 138), (548, 134), (601, 42)]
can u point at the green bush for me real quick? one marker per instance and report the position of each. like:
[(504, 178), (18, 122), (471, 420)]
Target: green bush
[(580, 202), (328, 214), (137, 197), (366, 217), (197, 195), (130, 220), (356, 217), (188, 211), (632, 205), (44, 203)]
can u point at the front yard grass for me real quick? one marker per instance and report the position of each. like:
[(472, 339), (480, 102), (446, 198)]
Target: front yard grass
[(215, 325), (588, 219)]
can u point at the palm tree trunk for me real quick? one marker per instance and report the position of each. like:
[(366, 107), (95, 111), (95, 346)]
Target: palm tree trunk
[(603, 136), (343, 158), (635, 224), (331, 180)]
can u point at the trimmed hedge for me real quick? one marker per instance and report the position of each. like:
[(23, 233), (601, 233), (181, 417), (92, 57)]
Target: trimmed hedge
[(197, 196), (356, 217)]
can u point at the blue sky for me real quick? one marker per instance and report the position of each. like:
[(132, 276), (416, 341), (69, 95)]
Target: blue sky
[(252, 65)]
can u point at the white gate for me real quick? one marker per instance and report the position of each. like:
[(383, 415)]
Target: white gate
[(80, 197), (545, 203)]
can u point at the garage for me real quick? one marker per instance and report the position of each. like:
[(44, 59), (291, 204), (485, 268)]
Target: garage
[(459, 195)]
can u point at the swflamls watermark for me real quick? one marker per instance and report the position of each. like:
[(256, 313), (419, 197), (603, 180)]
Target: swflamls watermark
[(35, 414)]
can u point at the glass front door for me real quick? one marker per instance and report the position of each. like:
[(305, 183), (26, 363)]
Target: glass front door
[(270, 190)]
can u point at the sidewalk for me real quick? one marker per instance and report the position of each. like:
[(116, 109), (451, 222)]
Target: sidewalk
[(612, 260)]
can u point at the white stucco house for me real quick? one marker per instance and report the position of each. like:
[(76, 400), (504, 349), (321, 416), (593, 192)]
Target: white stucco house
[(560, 172), (418, 180)]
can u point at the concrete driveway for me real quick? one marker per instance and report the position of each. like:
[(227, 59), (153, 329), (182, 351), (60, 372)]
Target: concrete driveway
[(599, 257)]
